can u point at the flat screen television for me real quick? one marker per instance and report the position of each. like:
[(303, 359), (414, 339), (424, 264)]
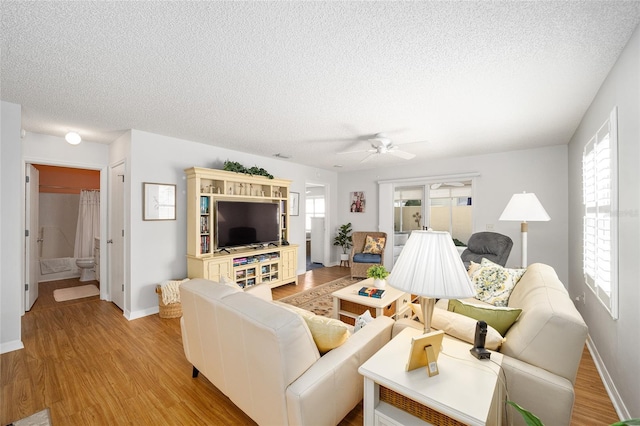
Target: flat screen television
[(243, 223)]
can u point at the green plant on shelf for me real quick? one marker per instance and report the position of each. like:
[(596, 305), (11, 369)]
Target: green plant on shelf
[(234, 166)]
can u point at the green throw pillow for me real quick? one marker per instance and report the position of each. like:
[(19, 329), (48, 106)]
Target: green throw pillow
[(499, 318)]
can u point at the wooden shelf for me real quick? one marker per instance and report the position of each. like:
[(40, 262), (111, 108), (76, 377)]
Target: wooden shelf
[(204, 188)]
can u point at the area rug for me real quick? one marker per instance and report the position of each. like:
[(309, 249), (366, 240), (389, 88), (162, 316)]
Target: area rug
[(71, 293), (41, 418), (318, 299)]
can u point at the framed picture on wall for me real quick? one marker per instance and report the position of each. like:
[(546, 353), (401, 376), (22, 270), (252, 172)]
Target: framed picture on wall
[(358, 202), (294, 204), (159, 201)]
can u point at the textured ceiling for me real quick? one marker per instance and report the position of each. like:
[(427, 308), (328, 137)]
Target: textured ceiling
[(309, 79)]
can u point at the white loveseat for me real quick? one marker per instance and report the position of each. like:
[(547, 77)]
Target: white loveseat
[(542, 350), (263, 356)]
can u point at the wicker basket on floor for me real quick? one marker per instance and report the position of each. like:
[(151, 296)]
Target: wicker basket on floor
[(172, 310)]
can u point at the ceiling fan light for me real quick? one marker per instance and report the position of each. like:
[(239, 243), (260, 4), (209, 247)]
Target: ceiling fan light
[(73, 138)]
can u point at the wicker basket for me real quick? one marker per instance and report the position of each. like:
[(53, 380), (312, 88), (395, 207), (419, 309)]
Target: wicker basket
[(172, 310)]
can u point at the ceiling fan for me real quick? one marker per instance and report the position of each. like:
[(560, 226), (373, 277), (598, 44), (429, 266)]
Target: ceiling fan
[(381, 144)]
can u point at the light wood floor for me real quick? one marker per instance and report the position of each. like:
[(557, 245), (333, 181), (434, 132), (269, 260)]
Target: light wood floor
[(91, 366)]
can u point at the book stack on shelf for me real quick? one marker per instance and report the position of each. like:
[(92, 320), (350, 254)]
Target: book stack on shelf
[(371, 292), (205, 243)]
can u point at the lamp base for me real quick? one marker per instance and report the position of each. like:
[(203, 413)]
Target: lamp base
[(427, 305)]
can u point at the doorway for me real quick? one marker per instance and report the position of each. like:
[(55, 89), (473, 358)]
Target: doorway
[(53, 196), (315, 225)]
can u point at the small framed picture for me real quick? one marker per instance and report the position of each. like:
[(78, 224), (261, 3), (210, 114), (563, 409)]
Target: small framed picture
[(159, 201), (358, 202), (294, 204)]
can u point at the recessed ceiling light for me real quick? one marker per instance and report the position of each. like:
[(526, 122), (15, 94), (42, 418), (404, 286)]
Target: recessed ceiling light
[(73, 138)]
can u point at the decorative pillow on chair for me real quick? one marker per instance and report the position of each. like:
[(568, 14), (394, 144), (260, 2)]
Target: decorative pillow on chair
[(497, 317), (374, 245), (493, 282)]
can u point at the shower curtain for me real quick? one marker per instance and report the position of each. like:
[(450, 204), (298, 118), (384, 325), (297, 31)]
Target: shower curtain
[(88, 223)]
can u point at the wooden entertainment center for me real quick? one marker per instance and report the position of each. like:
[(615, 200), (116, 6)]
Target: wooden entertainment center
[(272, 264)]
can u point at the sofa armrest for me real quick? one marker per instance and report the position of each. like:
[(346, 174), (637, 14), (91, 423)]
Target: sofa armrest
[(548, 396), (332, 386)]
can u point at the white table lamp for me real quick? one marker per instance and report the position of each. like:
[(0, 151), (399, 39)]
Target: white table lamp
[(430, 266), (524, 208)]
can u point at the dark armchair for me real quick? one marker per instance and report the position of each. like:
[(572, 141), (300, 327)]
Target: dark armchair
[(491, 245)]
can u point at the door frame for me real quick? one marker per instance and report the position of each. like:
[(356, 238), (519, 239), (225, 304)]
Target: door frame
[(326, 255), (386, 190), (104, 174)]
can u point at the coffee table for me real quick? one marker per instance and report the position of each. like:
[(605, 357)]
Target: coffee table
[(467, 391), (348, 304)]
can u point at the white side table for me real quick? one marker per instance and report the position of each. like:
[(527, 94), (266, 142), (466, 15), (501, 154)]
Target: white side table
[(467, 390), (348, 304)]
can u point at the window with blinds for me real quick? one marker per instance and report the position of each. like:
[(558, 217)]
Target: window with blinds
[(600, 177)]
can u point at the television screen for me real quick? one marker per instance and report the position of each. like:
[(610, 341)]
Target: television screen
[(242, 223)]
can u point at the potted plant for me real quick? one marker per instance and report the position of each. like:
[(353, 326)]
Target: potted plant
[(344, 240), (379, 274)]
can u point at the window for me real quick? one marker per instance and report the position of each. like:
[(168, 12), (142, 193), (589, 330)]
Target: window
[(451, 209), (600, 225), (407, 207), (314, 207)]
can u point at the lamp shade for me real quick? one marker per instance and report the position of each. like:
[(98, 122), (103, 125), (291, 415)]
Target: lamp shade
[(525, 207), (430, 265)]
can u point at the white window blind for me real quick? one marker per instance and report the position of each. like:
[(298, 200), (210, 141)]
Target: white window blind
[(599, 177)]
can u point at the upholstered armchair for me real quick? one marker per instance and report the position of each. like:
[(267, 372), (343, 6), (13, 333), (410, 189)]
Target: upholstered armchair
[(491, 245), (359, 260)]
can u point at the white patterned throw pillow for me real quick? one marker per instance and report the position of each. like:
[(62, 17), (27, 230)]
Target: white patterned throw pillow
[(494, 283)]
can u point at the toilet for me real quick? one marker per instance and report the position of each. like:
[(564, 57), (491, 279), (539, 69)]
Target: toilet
[(87, 271)]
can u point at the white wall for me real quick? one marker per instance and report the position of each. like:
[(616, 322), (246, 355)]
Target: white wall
[(542, 171), (617, 342), (11, 229), (158, 248)]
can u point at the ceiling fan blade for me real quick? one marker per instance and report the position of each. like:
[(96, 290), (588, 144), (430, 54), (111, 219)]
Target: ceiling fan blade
[(436, 185), (354, 152), (368, 157), (454, 183), (402, 154)]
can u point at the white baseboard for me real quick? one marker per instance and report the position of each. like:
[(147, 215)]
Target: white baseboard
[(616, 400), (11, 346), (141, 313)]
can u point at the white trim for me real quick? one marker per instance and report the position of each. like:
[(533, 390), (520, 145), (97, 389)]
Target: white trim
[(11, 346), (430, 179), (607, 381)]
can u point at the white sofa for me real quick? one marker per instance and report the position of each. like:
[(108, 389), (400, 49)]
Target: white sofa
[(263, 357), (542, 350)]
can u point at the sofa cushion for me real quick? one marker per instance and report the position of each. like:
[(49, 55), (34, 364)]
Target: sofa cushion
[(500, 318), (327, 333), (494, 283), (374, 245), (459, 326), (366, 258)]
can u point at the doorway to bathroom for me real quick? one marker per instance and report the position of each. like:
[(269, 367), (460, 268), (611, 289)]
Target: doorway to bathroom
[(63, 241)]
